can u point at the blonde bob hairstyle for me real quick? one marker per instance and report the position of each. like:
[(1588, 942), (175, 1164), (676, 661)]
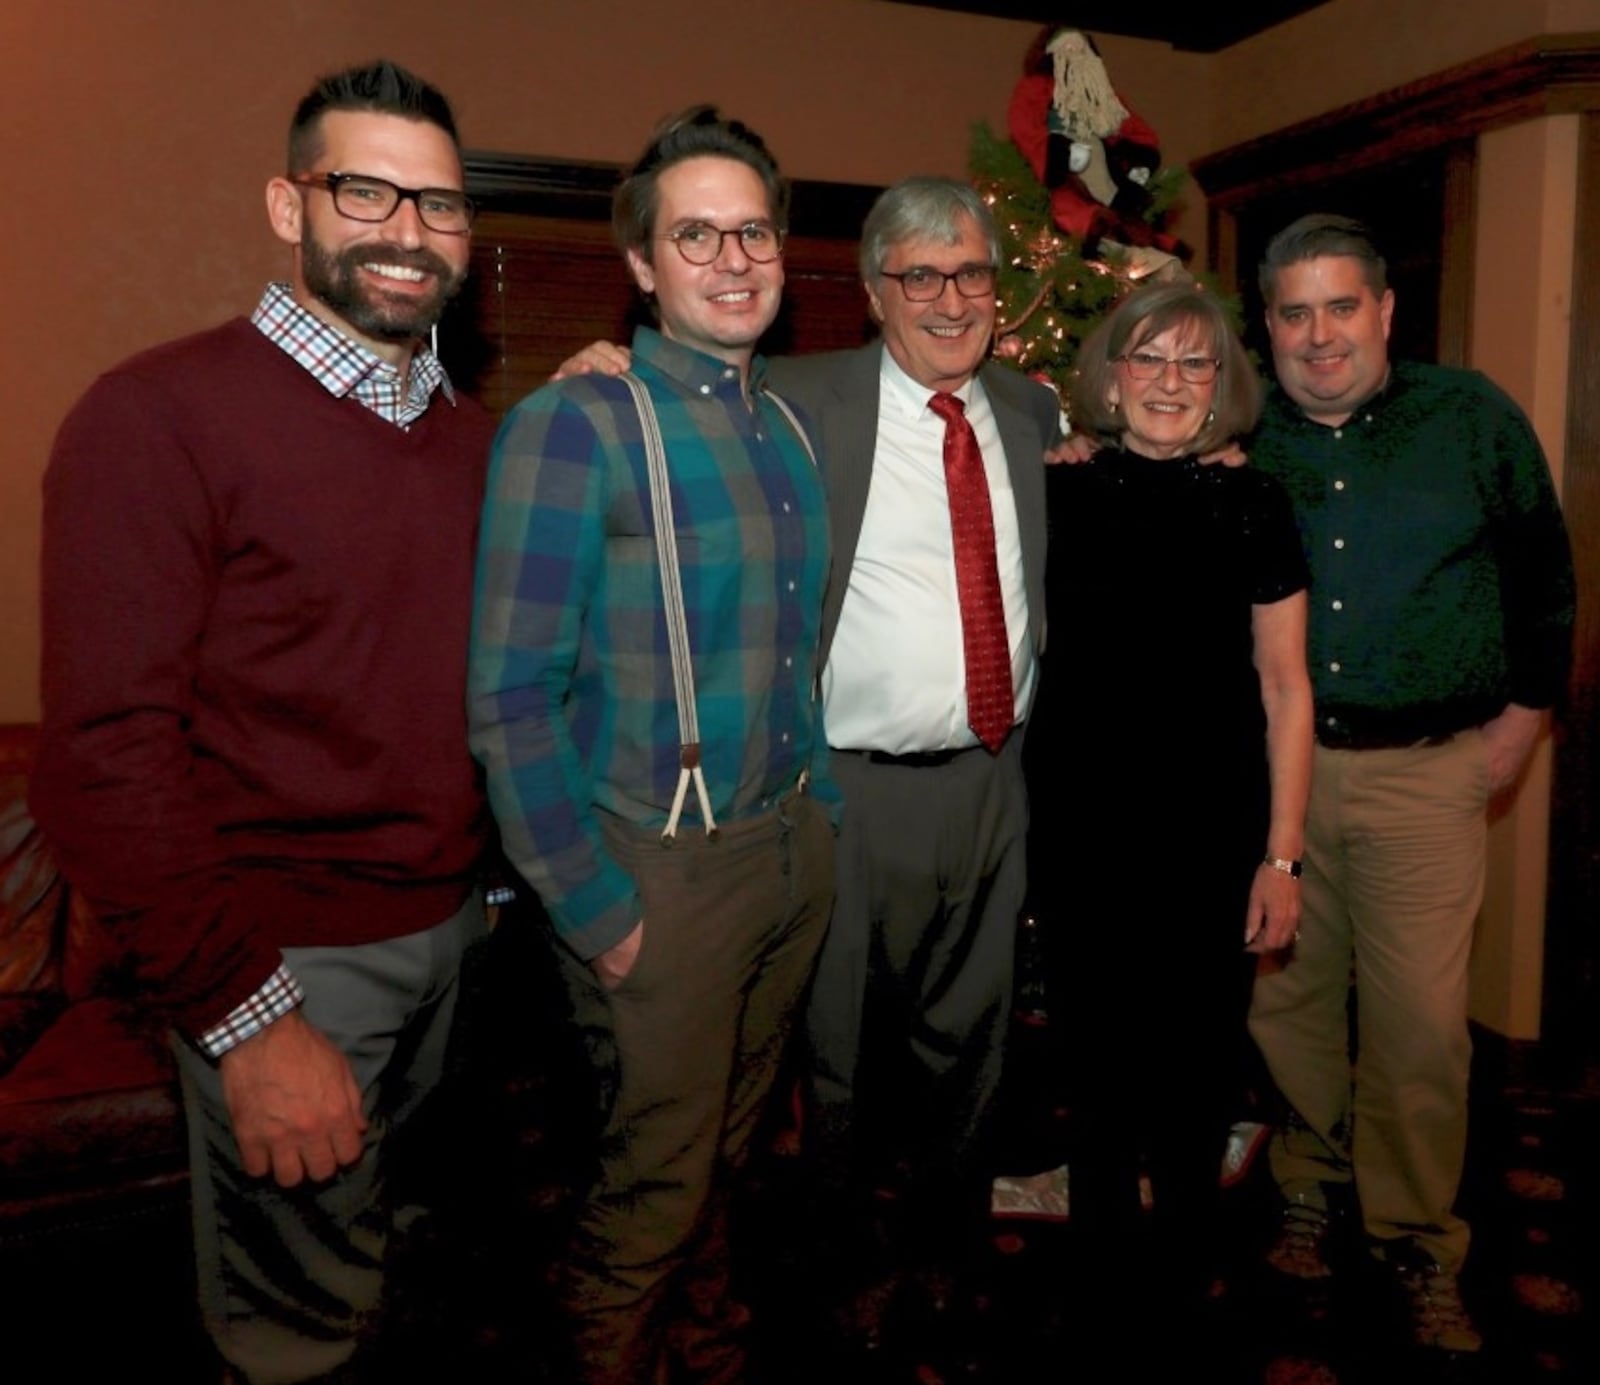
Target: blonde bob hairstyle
[(1202, 325)]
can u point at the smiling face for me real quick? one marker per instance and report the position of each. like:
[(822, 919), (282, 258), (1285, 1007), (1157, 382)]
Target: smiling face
[(721, 308), (1330, 335), (385, 282), (1162, 417), (942, 343)]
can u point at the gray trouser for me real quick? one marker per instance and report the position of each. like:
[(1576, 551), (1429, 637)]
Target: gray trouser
[(919, 960), (288, 1276)]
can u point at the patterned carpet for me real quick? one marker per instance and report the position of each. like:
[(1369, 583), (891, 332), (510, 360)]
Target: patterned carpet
[(472, 1298), (1532, 1194)]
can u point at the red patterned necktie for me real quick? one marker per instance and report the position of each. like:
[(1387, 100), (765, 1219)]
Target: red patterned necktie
[(991, 700)]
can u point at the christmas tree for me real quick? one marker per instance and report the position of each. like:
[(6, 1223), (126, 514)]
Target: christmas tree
[(1072, 248)]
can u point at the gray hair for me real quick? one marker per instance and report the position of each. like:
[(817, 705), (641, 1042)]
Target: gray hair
[(1322, 233), (923, 208)]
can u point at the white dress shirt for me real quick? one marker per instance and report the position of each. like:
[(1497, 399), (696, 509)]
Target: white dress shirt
[(896, 674)]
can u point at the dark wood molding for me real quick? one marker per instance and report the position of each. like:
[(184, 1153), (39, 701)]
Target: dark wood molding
[(1457, 252), (1188, 27), (581, 190), (564, 188), (1552, 74), (1572, 952)]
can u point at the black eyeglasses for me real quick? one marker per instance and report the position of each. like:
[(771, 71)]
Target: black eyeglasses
[(361, 198), (699, 242), (1196, 370), (922, 283)]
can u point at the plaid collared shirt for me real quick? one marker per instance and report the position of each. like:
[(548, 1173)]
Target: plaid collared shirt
[(569, 681), (343, 366), (280, 994)]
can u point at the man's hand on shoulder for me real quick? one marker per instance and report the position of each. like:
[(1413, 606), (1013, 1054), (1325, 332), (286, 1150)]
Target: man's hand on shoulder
[(597, 358), (1229, 454), (1072, 449), (294, 1103)]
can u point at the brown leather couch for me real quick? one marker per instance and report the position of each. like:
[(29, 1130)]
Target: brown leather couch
[(91, 1125)]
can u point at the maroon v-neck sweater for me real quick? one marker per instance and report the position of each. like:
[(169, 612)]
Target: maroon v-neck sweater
[(256, 600)]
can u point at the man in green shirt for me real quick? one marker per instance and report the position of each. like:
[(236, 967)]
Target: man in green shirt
[(1440, 630)]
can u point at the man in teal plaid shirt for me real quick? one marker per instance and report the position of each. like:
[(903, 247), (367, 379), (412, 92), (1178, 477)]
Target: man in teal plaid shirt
[(686, 933)]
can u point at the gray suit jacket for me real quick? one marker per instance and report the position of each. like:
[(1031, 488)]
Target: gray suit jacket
[(838, 394)]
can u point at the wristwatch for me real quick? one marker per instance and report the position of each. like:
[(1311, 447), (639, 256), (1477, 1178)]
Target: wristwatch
[(1287, 867)]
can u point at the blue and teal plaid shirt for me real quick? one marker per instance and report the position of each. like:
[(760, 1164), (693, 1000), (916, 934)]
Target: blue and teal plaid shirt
[(570, 696)]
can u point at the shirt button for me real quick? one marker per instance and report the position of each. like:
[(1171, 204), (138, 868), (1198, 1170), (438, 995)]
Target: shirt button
[(1333, 721), (729, 373), (1334, 666), (787, 507), (788, 661), (791, 584), (1338, 543), (784, 738), (1338, 485), (760, 436), (705, 389), (1337, 605), (1338, 432)]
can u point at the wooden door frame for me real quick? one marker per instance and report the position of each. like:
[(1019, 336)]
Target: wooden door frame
[(581, 190)]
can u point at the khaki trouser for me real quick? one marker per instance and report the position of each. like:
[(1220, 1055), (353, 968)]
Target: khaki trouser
[(1394, 869)]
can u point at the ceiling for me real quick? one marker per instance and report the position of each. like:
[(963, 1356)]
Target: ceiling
[(1199, 26)]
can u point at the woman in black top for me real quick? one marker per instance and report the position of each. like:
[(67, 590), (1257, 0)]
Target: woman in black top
[(1171, 776)]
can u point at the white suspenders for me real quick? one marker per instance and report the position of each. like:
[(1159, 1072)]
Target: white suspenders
[(690, 769)]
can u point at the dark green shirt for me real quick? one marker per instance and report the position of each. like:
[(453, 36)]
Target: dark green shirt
[(1441, 575)]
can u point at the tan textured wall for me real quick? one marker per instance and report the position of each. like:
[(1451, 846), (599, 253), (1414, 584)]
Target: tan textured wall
[(137, 138)]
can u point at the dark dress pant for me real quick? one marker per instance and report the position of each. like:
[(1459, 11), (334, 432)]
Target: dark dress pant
[(687, 1049), (911, 1003)]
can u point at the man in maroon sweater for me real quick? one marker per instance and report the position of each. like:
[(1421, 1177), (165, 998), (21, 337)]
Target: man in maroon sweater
[(257, 576)]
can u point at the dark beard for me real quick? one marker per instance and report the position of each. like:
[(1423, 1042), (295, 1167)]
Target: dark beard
[(334, 279)]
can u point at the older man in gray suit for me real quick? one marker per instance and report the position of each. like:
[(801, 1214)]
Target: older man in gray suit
[(931, 630)]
